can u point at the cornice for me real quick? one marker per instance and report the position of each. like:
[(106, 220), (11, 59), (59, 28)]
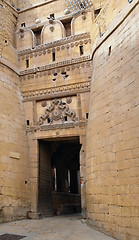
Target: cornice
[(56, 43), (45, 68), (57, 126), (65, 90)]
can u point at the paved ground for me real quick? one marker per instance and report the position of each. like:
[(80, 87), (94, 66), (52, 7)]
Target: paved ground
[(55, 228)]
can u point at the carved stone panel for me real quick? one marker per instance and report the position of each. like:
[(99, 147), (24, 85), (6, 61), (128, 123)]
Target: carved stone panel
[(57, 110)]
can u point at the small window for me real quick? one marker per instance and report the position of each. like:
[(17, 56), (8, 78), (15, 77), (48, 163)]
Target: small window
[(63, 73), (55, 74), (23, 24), (65, 119), (48, 120), (109, 53), (81, 50), (27, 63), (37, 33), (27, 122), (52, 16), (87, 115), (67, 26), (53, 56)]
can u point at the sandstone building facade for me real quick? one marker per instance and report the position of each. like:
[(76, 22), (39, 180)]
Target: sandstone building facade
[(69, 112)]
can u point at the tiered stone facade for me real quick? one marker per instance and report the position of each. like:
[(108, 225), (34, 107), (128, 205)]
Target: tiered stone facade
[(67, 76)]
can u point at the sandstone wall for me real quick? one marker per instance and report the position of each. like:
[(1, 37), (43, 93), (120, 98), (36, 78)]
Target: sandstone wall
[(112, 135), (14, 167), (30, 3), (7, 25), (23, 5)]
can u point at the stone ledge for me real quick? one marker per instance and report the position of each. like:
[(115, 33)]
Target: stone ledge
[(55, 92), (62, 41)]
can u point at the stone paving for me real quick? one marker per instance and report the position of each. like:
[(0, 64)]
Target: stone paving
[(69, 227)]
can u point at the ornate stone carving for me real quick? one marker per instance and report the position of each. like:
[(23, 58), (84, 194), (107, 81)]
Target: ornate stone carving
[(63, 41), (48, 51), (51, 28), (69, 100), (56, 92), (55, 65), (65, 125), (43, 103), (51, 21), (56, 111), (62, 47)]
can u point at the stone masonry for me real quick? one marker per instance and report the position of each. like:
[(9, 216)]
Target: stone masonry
[(70, 78)]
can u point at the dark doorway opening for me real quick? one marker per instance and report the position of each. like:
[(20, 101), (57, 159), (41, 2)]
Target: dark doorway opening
[(59, 177)]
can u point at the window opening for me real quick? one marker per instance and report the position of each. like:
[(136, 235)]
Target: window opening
[(27, 63), (27, 122), (87, 115), (48, 120), (55, 74), (65, 118), (63, 73), (67, 26), (53, 56), (52, 16), (81, 50), (23, 24), (109, 53), (37, 33)]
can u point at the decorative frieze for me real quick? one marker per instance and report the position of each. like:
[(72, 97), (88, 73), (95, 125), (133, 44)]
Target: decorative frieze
[(60, 91), (56, 126), (61, 42), (58, 64), (40, 52)]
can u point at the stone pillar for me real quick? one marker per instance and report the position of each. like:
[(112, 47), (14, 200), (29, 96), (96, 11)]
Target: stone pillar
[(34, 166)]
